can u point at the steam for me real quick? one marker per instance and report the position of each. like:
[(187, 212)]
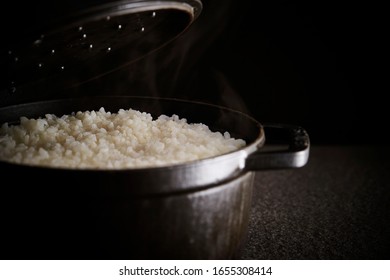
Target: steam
[(188, 67)]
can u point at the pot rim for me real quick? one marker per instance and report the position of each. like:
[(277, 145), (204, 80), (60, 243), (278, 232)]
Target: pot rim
[(240, 153)]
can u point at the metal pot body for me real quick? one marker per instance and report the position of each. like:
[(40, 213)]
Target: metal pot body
[(42, 221)]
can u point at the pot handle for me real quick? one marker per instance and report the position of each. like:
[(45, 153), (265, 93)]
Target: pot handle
[(294, 156)]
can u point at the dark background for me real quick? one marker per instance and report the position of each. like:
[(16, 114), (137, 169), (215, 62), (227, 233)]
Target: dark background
[(307, 63)]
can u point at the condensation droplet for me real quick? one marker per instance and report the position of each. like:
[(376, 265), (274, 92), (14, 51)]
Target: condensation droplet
[(62, 67), (9, 52), (37, 42), (80, 28), (119, 26), (108, 18), (84, 35), (142, 29), (53, 51), (154, 14), (108, 49), (40, 65), (16, 59), (90, 46)]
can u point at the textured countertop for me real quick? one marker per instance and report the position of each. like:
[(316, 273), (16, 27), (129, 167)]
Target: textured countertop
[(336, 207)]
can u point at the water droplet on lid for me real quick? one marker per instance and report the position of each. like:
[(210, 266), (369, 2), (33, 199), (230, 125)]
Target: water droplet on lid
[(37, 42), (9, 52), (142, 29), (108, 49), (108, 18), (40, 65), (62, 67), (154, 14), (84, 35), (53, 51), (119, 26), (90, 46), (80, 28), (16, 59)]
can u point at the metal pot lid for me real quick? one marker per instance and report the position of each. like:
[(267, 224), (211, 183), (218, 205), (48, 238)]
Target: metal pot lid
[(64, 52)]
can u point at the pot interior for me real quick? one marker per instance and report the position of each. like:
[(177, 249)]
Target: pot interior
[(218, 118)]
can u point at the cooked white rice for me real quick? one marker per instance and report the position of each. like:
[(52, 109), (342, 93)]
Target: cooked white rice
[(104, 140)]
